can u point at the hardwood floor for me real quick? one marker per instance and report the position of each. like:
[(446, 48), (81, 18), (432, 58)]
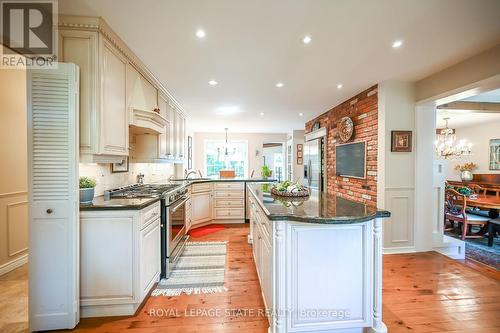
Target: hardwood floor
[(424, 292), (14, 301)]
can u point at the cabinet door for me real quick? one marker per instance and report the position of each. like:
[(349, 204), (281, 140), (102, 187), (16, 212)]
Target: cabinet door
[(150, 256), (164, 137), (266, 270), (201, 209), (114, 120), (80, 47)]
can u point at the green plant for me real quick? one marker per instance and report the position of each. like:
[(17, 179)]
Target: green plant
[(87, 182), (265, 171)]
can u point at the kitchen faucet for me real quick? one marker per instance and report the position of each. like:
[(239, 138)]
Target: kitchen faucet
[(187, 174)]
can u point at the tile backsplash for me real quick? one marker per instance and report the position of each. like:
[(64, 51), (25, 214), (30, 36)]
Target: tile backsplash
[(153, 173)]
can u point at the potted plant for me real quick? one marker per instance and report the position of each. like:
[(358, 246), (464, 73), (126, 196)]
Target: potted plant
[(87, 186), (466, 171), (266, 172)]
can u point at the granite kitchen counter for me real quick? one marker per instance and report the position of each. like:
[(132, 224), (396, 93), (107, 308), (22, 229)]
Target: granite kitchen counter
[(118, 204), (317, 208), (230, 179)]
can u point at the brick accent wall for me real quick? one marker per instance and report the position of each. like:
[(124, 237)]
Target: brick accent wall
[(363, 110)]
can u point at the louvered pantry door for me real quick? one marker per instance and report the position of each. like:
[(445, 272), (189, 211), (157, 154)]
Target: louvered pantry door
[(53, 197)]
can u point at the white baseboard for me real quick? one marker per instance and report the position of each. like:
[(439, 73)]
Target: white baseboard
[(451, 247), (396, 250), (13, 264)]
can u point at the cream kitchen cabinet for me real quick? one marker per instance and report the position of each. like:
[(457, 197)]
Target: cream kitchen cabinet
[(201, 203), (120, 259), (165, 138), (229, 202), (141, 94), (103, 104)]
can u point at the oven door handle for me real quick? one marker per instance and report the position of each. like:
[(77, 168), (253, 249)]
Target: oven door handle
[(174, 208)]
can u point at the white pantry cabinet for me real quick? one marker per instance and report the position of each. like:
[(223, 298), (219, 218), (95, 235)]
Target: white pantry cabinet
[(120, 259), (103, 111)]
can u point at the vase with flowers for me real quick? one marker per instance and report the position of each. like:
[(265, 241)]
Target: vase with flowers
[(466, 171)]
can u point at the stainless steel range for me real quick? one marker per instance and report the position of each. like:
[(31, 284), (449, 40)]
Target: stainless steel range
[(173, 199)]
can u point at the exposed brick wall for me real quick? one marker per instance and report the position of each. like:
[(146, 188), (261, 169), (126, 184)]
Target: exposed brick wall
[(362, 109)]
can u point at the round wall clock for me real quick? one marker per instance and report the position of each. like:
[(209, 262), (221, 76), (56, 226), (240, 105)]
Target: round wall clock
[(346, 128)]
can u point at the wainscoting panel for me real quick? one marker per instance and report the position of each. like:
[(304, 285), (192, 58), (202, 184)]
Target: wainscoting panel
[(399, 228), (13, 230)]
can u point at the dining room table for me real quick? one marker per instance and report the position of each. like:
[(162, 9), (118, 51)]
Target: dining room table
[(489, 202)]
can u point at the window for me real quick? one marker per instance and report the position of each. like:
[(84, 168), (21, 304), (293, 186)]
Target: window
[(220, 155)]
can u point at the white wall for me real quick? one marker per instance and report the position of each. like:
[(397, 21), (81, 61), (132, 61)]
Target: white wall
[(153, 173), (479, 136), (255, 141), (298, 170), (396, 171), (13, 172)]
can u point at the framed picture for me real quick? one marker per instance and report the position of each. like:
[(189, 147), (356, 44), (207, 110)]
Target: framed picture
[(190, 152), (495, 154), (299, 160), (401, 141), (299, 147), (120, 167), (299, 154)]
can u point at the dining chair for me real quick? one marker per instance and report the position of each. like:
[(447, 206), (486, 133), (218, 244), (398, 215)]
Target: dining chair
[(455, 210)]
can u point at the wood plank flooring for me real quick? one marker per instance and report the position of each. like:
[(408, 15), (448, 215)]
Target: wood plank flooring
[(423, 292)]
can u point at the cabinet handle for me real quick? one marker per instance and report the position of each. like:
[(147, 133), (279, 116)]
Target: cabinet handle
[(49, 211)]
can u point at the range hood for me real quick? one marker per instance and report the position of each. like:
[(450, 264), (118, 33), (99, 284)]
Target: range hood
[(146, 122)]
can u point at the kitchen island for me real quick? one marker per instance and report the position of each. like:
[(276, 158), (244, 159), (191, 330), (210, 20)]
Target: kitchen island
[(319, 261)]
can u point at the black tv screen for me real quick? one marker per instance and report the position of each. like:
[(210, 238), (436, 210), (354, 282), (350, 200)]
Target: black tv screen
[(350, 159)]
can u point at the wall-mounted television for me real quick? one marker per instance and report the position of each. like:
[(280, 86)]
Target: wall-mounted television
[(350, 159)]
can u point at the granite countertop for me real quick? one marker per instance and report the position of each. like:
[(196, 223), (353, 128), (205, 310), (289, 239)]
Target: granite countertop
[(230, 179), (118, 204), (317, 208)]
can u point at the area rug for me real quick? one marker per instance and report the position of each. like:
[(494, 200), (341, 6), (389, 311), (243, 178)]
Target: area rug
[(477, 249), (200, 270), (205, 230)]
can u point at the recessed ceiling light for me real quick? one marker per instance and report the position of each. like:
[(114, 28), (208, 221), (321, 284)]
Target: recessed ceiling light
[(339, 86), (397, 44), (262, 113), (228, 110), (301, 114), (307, 39), (200, 33), (212, 82), (279, 84)]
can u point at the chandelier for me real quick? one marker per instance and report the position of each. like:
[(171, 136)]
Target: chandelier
[(446, 145)]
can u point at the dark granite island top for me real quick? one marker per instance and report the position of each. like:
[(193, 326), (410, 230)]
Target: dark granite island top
[(317, 208), (118, 204)]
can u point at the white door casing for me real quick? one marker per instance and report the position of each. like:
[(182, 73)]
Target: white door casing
[(53, 197)]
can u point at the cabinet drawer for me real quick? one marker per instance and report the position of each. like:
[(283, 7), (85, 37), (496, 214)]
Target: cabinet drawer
[(229, 194), (229, 186), (150, 214), (227, 213), (222, 202), (203, 187)]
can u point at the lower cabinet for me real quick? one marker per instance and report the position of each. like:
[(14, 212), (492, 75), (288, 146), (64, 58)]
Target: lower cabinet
[(262, 242), (119, 259), (201, 203)]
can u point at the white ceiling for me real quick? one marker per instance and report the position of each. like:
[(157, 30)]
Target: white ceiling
[(465, 118), (251, 45)]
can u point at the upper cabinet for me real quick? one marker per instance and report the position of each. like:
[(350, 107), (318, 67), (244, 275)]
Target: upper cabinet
[(103, 115), (124, 109)]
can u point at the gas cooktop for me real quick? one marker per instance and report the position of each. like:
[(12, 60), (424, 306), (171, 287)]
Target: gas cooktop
[(143, 191)]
